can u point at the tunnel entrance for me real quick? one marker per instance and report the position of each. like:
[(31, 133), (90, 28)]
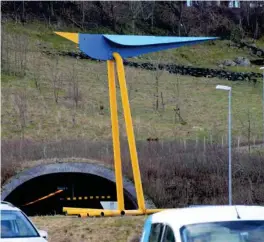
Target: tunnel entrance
[(46, 189), (36, 196)]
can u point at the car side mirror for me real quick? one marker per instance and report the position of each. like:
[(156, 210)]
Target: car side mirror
[(43, 234)]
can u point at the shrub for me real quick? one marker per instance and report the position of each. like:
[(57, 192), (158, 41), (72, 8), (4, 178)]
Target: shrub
[(172, 175)]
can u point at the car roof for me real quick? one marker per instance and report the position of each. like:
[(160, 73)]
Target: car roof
[(201, 214), (8, 206)]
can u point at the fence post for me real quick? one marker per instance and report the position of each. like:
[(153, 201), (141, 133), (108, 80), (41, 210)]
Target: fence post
[(107, 150), (44, 151), (162, 144)]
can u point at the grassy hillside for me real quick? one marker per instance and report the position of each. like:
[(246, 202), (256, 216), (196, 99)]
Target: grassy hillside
[(39, 95), (204, 55), (32, 81)]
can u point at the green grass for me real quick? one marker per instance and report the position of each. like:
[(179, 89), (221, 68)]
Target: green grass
[(68, 229), (37, 31), (260, 42), (202, 107), (208, 55)]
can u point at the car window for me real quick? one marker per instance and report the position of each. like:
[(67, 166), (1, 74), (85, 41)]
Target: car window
[(231, 231), (155, 232), (168, 235), (14, 224)]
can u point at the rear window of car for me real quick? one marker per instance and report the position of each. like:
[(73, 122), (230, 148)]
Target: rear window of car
[(14, 224)]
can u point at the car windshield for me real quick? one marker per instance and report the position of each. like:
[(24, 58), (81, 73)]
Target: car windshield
[(230, 231), (14, 224)]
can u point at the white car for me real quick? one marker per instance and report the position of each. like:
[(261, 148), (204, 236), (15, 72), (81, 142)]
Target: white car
[(206, 224), (16, 226)]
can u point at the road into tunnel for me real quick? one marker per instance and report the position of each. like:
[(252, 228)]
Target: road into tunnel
[(77, 184)]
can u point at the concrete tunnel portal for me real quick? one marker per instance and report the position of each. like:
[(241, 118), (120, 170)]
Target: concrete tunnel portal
[(75, 184)]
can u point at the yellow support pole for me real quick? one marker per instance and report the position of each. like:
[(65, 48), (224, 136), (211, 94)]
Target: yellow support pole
[(133, 212), (115, 135), (105, 213), (130, 131)]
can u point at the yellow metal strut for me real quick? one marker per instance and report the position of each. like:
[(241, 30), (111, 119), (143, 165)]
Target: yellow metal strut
[(115, 134)]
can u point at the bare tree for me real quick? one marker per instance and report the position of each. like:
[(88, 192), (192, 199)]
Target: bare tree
[(19, 100), (148, 12), (248, 127), (177, 109), (177, 10), (36, 72), (75, 93), (23, 18), (109, 12), (55, 78), (152, 15), (157, 74), (22, 51), (162, 101), (135, 8), (132, 78), (5, 52), (14, 51), (249, 130), (84, 7)]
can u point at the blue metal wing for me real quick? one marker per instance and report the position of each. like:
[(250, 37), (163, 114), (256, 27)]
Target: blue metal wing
[(102, 46)]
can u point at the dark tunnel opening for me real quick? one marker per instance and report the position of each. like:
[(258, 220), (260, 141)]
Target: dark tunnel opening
[(78, 190)]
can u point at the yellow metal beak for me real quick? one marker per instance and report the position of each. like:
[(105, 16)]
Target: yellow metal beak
[(74, 37)]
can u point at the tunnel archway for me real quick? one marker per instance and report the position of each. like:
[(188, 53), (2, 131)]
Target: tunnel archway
[(47, 188)]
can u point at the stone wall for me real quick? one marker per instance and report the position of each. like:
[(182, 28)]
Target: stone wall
[(180, 69), (198, 71)]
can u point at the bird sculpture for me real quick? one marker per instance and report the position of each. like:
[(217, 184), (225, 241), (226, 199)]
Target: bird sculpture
[(113, 48)]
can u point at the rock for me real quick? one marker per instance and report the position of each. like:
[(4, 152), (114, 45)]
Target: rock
[(229, 63), (242, 61), (259, 53), (221, 66)]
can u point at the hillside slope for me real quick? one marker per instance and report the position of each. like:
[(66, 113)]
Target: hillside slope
[(51, 97)]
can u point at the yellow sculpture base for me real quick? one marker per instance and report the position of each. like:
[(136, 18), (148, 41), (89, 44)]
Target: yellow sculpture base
[(89, 212)]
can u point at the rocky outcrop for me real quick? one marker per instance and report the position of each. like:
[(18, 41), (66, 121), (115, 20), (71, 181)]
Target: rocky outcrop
[(228, 63), (252, 47), (242, 61), (239, 61)]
